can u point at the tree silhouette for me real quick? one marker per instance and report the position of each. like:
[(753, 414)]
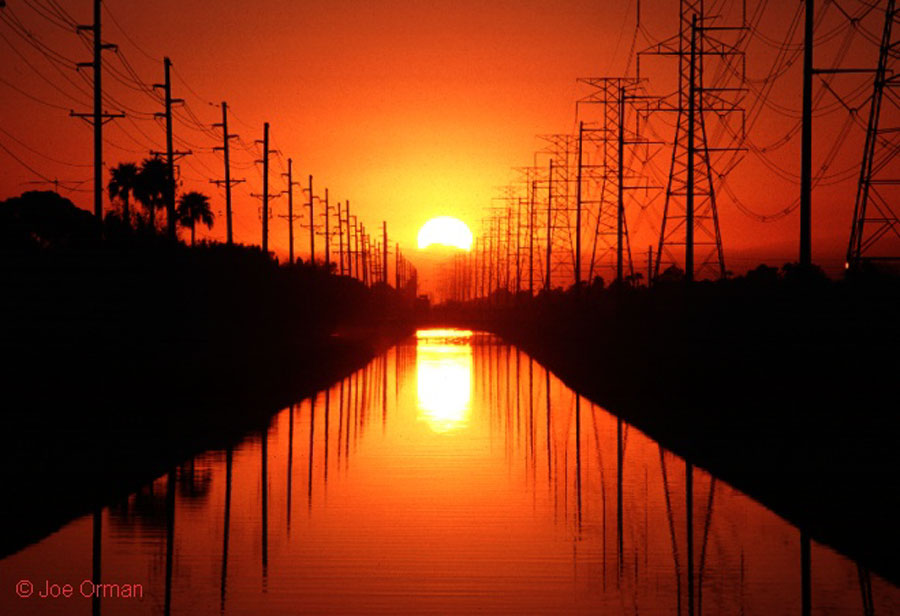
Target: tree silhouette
[(123, 183), (152, 182), (193, 207)]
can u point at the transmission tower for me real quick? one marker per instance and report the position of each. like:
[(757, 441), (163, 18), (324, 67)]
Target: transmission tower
[(690, 215), (562, 150), (875, 229), (605, 171)]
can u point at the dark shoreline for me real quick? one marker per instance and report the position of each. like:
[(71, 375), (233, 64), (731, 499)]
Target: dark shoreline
[(713, 376), (57, 467), (72, 446)]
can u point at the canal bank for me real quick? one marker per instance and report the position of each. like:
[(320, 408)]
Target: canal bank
[(71, 445), (126, 352), (785, 394)]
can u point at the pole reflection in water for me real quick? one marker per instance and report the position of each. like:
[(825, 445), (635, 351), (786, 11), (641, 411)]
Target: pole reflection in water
[(228, 474), (459, 479), (97, 536)]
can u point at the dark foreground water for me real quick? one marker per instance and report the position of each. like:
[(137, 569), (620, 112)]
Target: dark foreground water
[(452, 475)]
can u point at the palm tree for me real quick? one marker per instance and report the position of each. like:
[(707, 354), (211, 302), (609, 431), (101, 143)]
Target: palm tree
[(123, 182), (152, 183), (193, 207)]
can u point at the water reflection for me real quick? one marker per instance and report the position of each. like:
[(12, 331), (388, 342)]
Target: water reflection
[(444, 378), (355, 501)]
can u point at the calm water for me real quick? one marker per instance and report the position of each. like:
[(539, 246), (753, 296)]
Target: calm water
[(453, 474)]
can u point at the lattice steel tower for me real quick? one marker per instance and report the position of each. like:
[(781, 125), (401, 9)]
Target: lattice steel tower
[(690, 215), (875, 230)]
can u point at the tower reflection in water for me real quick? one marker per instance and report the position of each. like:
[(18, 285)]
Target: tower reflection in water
[(451, 475), (444, 378)]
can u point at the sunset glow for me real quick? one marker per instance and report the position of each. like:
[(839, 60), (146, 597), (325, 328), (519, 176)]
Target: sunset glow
[(444, 379), (445, 231), (318, 307)]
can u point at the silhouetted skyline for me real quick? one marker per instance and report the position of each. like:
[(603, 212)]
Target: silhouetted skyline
[(411, 111)]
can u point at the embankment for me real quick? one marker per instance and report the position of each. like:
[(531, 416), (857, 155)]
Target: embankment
[(785, 390), (126, 355)]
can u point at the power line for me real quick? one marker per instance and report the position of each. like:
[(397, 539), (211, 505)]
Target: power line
[(38, 173), (39, 153)]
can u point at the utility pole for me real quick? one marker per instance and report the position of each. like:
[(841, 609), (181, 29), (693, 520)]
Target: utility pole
[(531, 239), (649, 266), (490, 259), (508, 246), (170, 153), (397, 265), (365, 254), (518, 246), (340, 239), (357, 249), (620, 181), (312, 225), (549, 223), (806, 143), (265, 195), (97, 118), (290, 193), (384, 247), (578, 208), (227, 182), (327, 236), (485, 287), (349, 250)]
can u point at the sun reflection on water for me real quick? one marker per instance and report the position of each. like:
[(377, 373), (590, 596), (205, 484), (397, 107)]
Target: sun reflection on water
[(444, 378)]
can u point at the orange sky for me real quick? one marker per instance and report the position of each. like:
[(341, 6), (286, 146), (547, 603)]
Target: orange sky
[(409, 109)]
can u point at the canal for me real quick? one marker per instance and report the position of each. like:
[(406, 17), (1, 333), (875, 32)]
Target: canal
[(452, 474)]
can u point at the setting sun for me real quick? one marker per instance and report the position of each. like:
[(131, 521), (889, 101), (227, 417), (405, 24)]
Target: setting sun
[(445, 231)]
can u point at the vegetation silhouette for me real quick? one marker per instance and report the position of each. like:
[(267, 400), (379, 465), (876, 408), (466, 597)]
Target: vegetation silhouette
[(153, 180), (193, 207), (123, 181), (128, 351)]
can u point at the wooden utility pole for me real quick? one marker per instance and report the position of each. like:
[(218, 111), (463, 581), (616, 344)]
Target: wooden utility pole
[(170, 154), (349, 247), (620, 180), (340, 223), (806, 143), (490, 259), (506, 255), (357, 249), (98, 114), (97, 118), (364, 256), (290, 192), (397, 265), (549, 224), (265, 195), (518, 245), (531, 239), (578, 208), (384, 258), (226, 152), (312, 225), (327, 236), (485, 266), (227, 182), (475, 253)]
